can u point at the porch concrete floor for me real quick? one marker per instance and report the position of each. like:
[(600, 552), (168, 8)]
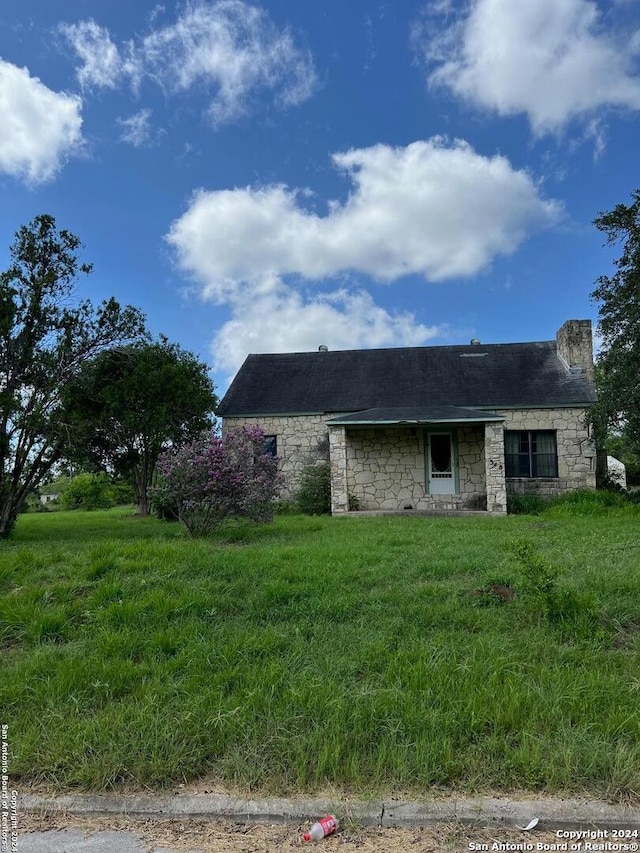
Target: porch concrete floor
[(369, 513)]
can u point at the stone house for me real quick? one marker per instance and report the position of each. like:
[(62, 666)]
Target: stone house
[(427, 428)]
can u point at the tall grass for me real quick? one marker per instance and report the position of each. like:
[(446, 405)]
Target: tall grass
[(371, 653)]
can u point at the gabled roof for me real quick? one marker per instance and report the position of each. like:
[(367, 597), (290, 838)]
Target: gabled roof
[(473, 376)]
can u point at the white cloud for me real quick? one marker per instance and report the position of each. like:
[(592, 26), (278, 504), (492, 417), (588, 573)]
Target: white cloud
[(553, 60), (136, 129), (104, 65), (40, 127), (436, 209), (234, 48), (274, 318), (228, 48)]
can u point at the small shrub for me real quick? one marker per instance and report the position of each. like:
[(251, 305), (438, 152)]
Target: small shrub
[(587, 502), (284, 507), (314, 493), (353, 503), (608, 484), (525, 504), (214, 478), (539, 578), (164, 505), (574, 613)]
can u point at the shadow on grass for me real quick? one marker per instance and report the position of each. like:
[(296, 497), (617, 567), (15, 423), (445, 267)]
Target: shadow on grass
[(123, 524), (69, 526)]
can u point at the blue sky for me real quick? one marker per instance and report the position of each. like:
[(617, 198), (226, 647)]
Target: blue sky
[(275, 176)]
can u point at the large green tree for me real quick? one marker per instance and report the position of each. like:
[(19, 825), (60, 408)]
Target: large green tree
[(618, 295), (46, 334), (128, 404)]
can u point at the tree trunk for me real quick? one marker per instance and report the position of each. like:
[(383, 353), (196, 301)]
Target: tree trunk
[(8, 516), (602, 468), (142, 499)]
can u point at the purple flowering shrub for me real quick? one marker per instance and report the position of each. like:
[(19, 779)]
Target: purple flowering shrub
[(214, 478)]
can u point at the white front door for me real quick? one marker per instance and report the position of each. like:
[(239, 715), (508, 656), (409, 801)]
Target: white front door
[(441, 464)]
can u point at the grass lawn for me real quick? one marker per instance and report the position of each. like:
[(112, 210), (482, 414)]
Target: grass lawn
[(364, 653)]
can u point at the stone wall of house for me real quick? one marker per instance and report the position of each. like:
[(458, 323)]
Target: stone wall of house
[(576, 449), (340, 494), (494, 467), (301, 440), (471, 466), (386, 469)]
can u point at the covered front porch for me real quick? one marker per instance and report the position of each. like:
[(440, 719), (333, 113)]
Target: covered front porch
[(426, 459)]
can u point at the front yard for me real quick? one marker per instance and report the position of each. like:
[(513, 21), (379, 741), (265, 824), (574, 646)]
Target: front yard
[(365, 653)]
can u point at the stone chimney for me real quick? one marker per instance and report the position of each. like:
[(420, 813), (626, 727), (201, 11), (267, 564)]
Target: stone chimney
[(575, 347)]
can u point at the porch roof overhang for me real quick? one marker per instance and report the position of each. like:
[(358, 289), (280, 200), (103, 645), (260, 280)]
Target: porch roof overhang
[(416, 416)]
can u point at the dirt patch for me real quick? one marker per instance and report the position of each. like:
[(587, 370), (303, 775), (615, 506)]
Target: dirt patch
[(627, 635), (228, 837), (492, 593)]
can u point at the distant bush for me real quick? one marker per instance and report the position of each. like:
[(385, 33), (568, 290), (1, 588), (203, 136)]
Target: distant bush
[(314, 493), (34, 504), (90, 491)]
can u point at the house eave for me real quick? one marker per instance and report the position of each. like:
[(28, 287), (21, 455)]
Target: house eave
[(415, 422), (415, 416), (269, 414), (573, 405)]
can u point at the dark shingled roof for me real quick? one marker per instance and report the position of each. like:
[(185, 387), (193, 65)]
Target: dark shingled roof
[(485, 376)]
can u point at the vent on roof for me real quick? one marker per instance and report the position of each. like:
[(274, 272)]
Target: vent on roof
[(323, 348), (475, 342)]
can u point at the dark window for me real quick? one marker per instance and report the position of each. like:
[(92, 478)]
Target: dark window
[(440, 453), (531, 454), (270, 443)]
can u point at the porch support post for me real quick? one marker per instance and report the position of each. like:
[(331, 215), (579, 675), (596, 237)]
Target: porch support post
[(338, 457), (494, 468)]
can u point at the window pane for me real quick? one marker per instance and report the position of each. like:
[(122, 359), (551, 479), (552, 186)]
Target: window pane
[(545, 442), (516, 444), (270, 443), (441, 453), (545, 459), (511, 441)]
